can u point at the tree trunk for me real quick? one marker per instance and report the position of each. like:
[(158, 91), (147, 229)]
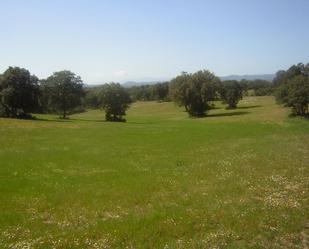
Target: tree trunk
[(186, 108)]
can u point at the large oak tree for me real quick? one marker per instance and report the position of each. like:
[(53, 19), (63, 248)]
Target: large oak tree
[(195, 91), (62, 92), (18, 92)]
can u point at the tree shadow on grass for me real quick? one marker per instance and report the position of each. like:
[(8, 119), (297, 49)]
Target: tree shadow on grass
[(82, 120), (227, 114), (215, 108), (140, 123), (52, 120), (293, 115), (88, 120), (248, 107)]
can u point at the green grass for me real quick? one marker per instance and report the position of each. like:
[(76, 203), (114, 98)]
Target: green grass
[(236, 179)]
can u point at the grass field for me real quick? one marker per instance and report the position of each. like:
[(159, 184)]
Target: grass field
[(235, 179)]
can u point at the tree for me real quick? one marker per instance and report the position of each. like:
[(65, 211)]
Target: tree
[(91, 99), (293, 88), (63, 92), (195, 91), (295, 94), (160, 91), (257, 87), (115, 100), (231, 93), (18, 92), (141, 93), (283, 76)]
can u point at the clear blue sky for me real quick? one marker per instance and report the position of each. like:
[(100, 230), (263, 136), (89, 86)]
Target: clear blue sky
[(144, 40)]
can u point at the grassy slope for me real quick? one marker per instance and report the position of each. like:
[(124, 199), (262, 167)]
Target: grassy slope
[(236, 179)]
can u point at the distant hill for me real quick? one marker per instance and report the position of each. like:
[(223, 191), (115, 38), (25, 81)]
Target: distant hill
[(268, 77), (93, 86), (139, 83), (125, 84)]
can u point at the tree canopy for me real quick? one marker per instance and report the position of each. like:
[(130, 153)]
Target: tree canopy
[(295, 94), (62, 92), (231, 93), (18, 92), (257, 87), (158, 91), (282, 76), (293, 88), (115, 100), (195, 91)]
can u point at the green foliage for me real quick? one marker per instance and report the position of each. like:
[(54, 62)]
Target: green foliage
[(293, 88), (295, 94), (158, 91), (115, 100), (195, 91), (231, 93), (283, 76), (62, 92), (18, 92), (140, 93), (92, 98), (257, 87)]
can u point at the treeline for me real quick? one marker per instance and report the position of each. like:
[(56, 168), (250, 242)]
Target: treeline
[(22, 93), (160, 91), (257, 87), (156, 92), (64, 93)]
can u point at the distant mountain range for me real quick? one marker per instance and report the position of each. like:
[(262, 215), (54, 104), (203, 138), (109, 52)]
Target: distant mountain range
[(268, 77), (126, 84), (139, 83)]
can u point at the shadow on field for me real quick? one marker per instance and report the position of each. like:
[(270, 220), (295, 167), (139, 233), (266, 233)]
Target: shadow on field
[(227, 114), (88, 120), (248, 107), (52, 120), (140, 123), (60, 120)]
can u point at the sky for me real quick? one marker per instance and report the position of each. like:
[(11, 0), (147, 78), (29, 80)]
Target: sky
[(114, 40)]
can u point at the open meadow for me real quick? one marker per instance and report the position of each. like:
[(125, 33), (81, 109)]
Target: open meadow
[(234, 179)]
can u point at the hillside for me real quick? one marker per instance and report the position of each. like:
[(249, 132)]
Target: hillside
[(235, 179)]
